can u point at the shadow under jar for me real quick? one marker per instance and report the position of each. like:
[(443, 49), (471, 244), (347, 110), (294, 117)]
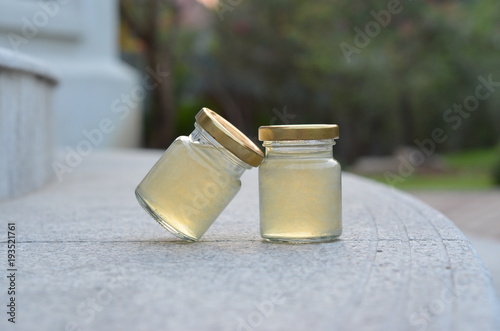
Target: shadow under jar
[(197, 176), (300, 184)]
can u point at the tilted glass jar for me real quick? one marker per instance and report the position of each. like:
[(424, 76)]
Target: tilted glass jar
[(197, 177), (300, 184)]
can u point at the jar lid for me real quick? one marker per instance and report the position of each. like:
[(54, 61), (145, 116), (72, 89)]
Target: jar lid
[(229, 136), (298, 132)]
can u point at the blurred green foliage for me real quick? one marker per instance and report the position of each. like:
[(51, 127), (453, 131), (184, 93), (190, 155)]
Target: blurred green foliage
[(394, 90), (261, 57)]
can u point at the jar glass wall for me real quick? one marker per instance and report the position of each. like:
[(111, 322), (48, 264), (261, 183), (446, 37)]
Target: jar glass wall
[(196, 178), (300, 188)]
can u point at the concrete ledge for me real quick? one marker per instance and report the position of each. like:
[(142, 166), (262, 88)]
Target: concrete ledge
[(89, 258), (26, 144), (16, 61)]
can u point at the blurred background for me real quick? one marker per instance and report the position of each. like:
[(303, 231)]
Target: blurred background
[(413, 85), (388, 78)]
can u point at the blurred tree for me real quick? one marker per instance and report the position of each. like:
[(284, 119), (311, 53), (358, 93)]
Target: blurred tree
[(155, 23), (386, 75), (387, 72)]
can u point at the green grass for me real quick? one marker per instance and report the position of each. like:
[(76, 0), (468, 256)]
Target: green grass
[(470, 170), (476, 159), (443, 182)]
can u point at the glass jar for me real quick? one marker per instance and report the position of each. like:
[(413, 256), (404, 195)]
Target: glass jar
[(300, 184), (197, 176)]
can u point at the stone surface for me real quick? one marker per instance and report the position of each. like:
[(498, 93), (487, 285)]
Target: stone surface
[(89, 258), (489, 250), (26, 144), (477, 214)]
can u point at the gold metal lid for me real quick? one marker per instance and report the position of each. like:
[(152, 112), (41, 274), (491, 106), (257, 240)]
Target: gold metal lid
[(229, 136), (298, 132)]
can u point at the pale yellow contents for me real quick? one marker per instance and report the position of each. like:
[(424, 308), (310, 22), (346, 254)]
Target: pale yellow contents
[(300, 199), (184, 191)]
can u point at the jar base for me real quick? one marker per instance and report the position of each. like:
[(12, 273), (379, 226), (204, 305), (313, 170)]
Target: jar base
[(161, 221), (301, 240)]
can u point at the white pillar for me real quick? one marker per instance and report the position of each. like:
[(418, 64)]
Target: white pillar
[(78, 39)]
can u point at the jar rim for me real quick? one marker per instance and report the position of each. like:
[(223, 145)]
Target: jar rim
[(298, 132), (229, 136)]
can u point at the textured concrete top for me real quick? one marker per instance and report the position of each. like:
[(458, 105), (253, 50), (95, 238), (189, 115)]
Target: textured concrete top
[(89, 258)]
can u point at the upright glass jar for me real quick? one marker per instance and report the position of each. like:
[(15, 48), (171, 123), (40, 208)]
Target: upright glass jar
[(300, 184), (197, 176)]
